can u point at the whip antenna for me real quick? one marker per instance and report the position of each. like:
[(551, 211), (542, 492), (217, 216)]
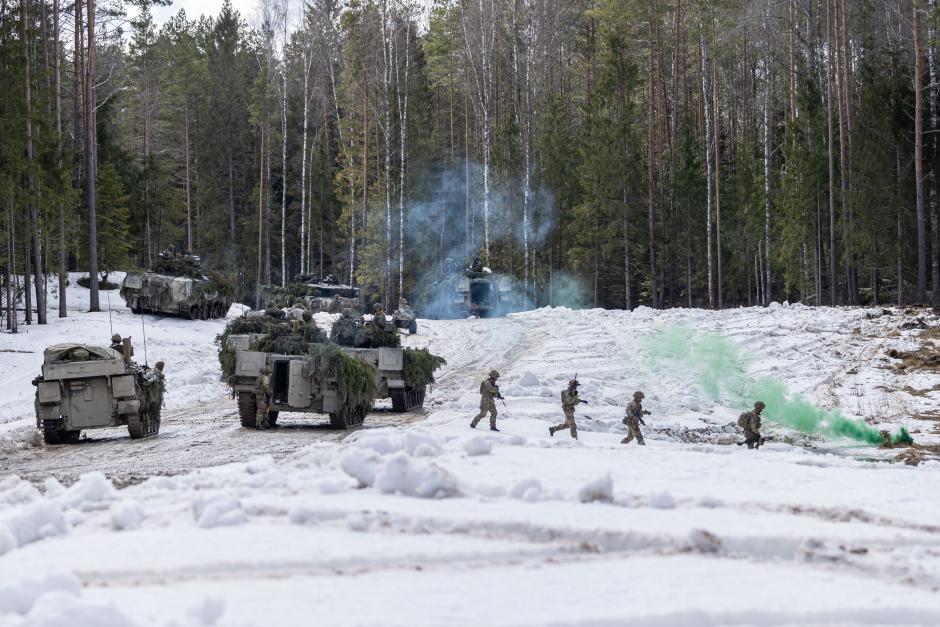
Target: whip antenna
[(110, 325), (143, 330)]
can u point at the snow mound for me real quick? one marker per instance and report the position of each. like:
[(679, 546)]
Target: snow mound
[(19, 597), (208, 612), (361, 465), (217, 510), (15, 491), (91, 489), (401, 474), (30, 523), (528, 380), (529, 490), (479, 445), (20, 437), (126, 515), (422, 444), (662, 500), (600, 489)]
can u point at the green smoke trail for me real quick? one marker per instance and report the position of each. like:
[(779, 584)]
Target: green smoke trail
[(718, 366)]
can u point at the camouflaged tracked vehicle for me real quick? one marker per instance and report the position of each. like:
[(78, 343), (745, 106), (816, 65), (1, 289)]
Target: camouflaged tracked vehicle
[(476, 291), (319, 376), (91, 387), (325, 295), (176, 286)]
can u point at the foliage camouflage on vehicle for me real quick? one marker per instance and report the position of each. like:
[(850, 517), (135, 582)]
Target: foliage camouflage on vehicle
[(355, 378), (419, 366), (176, 286)]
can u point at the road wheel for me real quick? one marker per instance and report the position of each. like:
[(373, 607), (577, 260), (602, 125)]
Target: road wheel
[(136, 426), (248, 410), (51, 433)]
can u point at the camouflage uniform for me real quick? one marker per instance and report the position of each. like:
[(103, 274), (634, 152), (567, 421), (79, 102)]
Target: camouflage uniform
[(378, 317), (489, 392), (750, 422), (262, 397), (117, 343), (635, 413), (569, 399)]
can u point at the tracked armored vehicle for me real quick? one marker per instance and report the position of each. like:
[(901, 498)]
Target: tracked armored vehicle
[(319, 376), (319, 295), (176, 286), (476, 291), (91, 387)]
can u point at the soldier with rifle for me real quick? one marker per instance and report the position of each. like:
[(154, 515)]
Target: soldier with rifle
[(634, 419), (750, 422), (489, 392), (263, 397), (569, 399)]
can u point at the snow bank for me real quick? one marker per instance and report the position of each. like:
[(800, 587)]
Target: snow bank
[(89, 491), (401, 474), (217, 510), (20, 437), (29, 523), (529, 490), (126, 515), (479, 445), (600, 489)]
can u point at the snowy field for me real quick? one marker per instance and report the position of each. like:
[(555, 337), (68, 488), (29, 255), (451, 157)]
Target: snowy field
[(417, 520)]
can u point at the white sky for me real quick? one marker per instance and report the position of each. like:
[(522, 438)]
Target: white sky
[(195, 8)]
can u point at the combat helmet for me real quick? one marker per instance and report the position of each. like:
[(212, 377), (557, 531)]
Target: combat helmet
[(759, 405), (116, 338), (494, 374), (639, 395), (573, 383), (265, 369), (377, 308)]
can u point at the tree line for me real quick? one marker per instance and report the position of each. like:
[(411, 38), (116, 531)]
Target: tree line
[(610, 153)]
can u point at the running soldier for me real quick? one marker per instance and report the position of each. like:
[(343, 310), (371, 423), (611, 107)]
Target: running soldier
[(634, 418), (750, 422), (489, 392), (263, 397), (569, 399)]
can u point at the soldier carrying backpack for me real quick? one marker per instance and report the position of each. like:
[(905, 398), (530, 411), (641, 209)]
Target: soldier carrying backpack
[(750, 422)]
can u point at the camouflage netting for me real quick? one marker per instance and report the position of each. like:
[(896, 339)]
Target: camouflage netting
[(279, 337), (355, 378), (284, 341), (151, 386), (419, 366), (278, 296), (346, 332), (184, 265)]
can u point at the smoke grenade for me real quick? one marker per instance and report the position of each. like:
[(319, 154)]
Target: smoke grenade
[(718, 367)]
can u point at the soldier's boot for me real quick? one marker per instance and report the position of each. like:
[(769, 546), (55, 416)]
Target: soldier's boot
[(551, 431), (627, 439), (493, 428), (574, 433), (640, 440)]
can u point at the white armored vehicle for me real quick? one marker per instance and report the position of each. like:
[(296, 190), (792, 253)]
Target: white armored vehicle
[(90, 387)]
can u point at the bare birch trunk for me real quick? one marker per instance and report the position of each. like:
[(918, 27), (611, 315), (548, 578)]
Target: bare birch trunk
[(284, 150), (91, 159), (386, 135), (833, 272), (932, 175), (708, 171), (403, 120), (919, 158), (260, 270), (303, 166)]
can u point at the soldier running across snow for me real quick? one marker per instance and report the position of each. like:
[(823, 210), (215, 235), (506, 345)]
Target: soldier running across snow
[(489, 392), (750, 422), (569, 399), (634, 418)]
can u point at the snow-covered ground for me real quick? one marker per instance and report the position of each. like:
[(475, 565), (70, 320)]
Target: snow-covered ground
[(418, 520)]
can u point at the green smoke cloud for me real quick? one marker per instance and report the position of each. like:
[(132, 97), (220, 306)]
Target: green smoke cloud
[(717, 365)]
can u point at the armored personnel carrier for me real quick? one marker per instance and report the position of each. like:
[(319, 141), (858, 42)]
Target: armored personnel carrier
[(319, 376), (476, 291), (176, 286), (91, 387), (317, 294)]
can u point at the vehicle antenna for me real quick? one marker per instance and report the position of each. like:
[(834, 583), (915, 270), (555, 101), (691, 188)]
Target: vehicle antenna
[(143, 329), (110, 324)]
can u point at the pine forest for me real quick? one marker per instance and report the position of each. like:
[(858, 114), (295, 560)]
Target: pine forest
[(604, 153)]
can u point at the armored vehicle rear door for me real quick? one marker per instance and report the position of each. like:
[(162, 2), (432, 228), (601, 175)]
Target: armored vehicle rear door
[(89, 403), (299, 387)]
